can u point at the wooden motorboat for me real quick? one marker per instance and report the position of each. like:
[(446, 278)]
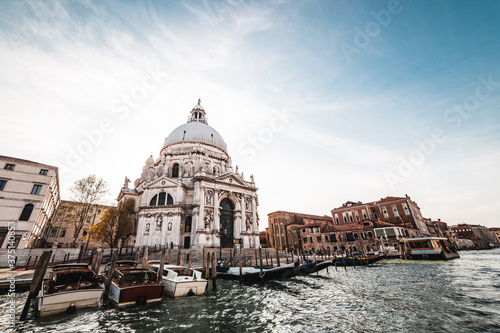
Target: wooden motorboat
[(253, 274), (132, 284), (181, 281), (68, 288), (430, 248)]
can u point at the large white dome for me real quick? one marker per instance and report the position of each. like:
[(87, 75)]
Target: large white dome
[(196, 132)]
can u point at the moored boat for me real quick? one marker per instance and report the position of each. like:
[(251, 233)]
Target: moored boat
[(69, 287), (132, 284), (430, 248), (311, 267), (181, 281), (253, 274), (358, 259)]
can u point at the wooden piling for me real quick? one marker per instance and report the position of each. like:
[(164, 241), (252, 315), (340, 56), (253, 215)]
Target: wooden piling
[(162, 264), (267, 258), (137, 255), (241, 266), (96, 260), (207, 272), (203, 263), (144, 258), (256, 258), (179, 257), (214, 272), (181, 261), (109, 277), (271, 257), (189, 260), (260, 257), (36, 283), (278, 258)]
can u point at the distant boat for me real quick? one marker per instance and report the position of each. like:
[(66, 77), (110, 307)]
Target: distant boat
[(180, 281), (253, 274), (430, 248), (131, 284), (70, 287), (358, 259)]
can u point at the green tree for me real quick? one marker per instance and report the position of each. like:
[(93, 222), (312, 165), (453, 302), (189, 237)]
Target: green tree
[(116, 222), (86, 193)]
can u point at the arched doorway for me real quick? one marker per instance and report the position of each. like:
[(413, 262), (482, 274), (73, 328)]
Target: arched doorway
[(226, 223)]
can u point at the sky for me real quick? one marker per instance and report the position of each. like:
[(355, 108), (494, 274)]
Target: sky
[(323, 102)]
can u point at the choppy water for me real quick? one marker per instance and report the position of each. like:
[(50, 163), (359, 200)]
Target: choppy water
[(462, 295)]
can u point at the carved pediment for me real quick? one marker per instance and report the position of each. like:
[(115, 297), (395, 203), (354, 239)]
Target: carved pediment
[(231, 179), (162, 183)]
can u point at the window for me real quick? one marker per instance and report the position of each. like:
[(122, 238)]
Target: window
[(305, 240), (395, 210), (63, 233), (2, 184), (9, 166), (83, 234), (345, 219), (175, 171), (370, 234), (337, 219), (44, 172), (161, 199), (350, 218), (153, 200), (318, 238), (187, 228), (170, 200), (355, 235), (26, 213), (326, 238), (333, 238), (405, 208), (386, 214), (53, 232), (350, 237), (363, 235), (36, 189), (310, 240)]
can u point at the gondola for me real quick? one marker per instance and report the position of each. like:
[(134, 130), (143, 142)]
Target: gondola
[(253, 274)]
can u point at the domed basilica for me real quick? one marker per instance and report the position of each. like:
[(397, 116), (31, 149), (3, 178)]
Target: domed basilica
[(190, 196)]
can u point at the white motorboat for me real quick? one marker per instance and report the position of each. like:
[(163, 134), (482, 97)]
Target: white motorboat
[(181, 281), (69, 287)]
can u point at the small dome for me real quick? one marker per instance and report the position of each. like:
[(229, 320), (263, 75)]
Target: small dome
[(150, 160), (196, 131)]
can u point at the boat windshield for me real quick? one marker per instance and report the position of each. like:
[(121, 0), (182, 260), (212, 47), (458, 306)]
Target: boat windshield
[(137, 277), (420, 244), (70, 278)]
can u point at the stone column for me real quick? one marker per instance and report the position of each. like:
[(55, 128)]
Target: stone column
[(255, 224), (216, 209), (201, 200)]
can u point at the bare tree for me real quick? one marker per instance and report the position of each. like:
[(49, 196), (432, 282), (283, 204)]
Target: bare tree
[(86, 193), (116, 222)]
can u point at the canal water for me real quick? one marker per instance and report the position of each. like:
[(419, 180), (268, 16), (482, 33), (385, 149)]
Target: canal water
[(461, 295)]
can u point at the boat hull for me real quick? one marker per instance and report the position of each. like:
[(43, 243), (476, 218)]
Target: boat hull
[(434, 256), (60, 302), (184, 288), (253, 275), (353, 261), (135, 294)]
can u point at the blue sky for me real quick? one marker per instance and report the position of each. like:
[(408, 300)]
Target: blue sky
[(322, 101)]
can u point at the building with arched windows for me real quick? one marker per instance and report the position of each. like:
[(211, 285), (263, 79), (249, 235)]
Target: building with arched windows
[(29, 195), (190, 196)]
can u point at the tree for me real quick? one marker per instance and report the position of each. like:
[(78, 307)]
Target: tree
[(116, 222), (86, 193)]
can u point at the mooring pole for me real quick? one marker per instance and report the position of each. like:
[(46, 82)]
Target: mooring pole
[(162, 264), (214, 271), (36, 283)]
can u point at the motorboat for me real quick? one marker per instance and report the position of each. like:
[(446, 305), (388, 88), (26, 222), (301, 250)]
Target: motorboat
[(68, 288), (358, 259), (430, 248), (132, 284), (181, 281)]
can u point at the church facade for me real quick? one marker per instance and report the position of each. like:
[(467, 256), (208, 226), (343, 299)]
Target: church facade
[(190, 196)]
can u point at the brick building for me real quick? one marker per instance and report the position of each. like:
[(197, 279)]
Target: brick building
[(481, 237)]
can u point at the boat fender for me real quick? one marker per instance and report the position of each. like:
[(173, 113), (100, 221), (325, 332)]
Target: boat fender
[(191, 292), (71, 308)]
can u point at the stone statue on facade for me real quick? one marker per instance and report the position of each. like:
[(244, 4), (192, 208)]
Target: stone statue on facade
[(127, 181)]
